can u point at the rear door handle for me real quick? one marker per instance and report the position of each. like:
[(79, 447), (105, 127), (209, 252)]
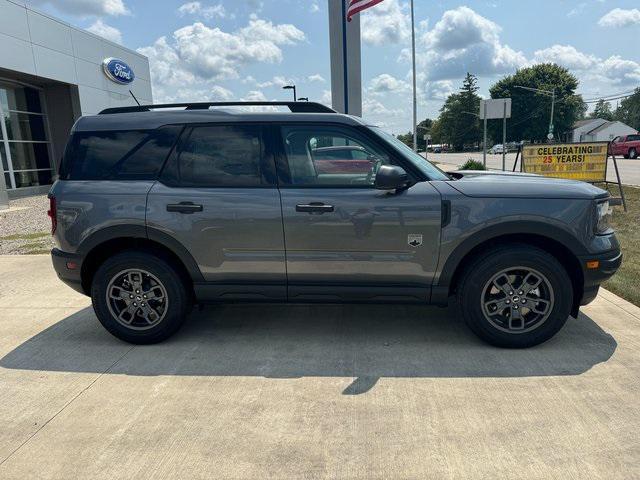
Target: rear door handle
[(184, 207), (314, 207)]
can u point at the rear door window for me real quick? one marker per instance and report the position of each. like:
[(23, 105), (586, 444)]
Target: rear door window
[(215, 156), (118, 155)]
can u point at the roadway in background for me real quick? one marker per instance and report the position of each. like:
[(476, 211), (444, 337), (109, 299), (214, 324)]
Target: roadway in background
[(629, 169)]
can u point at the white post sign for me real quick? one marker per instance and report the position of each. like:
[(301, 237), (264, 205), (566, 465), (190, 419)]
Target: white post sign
[(494, 108)]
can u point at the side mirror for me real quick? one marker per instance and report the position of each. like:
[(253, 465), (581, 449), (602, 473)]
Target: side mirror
[(391, 177)]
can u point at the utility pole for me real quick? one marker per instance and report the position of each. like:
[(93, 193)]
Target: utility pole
[(504, 136), (548, 93), (415, 97), (484, 136), (553, 104)]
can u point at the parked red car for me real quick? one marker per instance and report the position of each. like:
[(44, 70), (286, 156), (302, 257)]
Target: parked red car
[(627, 146), (342, 159)]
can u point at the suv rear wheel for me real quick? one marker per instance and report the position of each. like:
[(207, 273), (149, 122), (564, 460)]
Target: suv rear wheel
[(139, 297), (515, 296)]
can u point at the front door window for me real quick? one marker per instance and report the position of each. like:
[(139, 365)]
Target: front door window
[(330, 157)]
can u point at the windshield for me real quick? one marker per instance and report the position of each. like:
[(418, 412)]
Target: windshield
[(421, 163)]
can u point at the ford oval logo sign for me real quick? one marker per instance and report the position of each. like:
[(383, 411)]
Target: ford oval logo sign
[(118, 71)]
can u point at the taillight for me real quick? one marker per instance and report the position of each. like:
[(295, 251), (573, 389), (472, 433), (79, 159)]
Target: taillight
[(53, 214)]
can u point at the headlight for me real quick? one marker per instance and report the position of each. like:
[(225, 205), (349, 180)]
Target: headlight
[(603, 217)]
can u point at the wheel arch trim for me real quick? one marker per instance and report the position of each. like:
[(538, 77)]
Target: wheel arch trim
[(552, 232), (146, 233)]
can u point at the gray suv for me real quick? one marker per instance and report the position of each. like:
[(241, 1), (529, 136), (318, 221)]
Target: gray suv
[(160, 207)]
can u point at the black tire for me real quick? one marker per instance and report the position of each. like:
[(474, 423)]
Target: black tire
[(165, 276), (477, 279), (633, 153), (625, 156)]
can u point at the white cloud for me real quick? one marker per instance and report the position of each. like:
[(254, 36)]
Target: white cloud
[(326, 98), (314, 8), (316, 77), (619, 17), (388, 22), (577, 10), (106, 31), (198, 51), (85, 7), (373, 108), (166, 65), (590, 68), (621, 71), (386, 83), (254, 96), (464, 41), (277, 81), (438, 90), (566, 56), (207, 12), (212, 93)]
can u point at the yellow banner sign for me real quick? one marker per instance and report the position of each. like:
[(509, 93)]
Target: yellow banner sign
[(573, 161)]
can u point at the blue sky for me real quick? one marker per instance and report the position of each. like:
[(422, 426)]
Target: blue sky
[(222, 49)]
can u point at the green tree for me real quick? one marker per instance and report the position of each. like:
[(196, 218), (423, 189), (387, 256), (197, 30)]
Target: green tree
[(629, 110), (602, 110), (457, 123), (406, 138), (530, 111), (424, 127), (470, 104)]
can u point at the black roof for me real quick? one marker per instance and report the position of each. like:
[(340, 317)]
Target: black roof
[(147, 117), (294, 107)]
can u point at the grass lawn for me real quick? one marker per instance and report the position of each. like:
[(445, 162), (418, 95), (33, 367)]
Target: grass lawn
[(626, 283)]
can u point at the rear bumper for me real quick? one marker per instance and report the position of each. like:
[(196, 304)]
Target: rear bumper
[(71, 276), (608, 264)]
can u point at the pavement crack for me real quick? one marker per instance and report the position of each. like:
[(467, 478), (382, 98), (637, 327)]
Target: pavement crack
[(28, 439)]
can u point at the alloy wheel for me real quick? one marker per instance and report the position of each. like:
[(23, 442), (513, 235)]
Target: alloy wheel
[(517, 300), (137, 299)]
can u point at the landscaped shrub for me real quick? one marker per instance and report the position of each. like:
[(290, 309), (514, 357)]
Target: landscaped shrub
[(472, 164)]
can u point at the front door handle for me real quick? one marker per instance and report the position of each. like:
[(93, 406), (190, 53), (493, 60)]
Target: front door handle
[(184, 207), (314, 207)]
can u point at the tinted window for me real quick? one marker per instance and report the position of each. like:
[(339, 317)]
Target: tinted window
[(633, 138), (314, 156), (121, 155), (220, 156)]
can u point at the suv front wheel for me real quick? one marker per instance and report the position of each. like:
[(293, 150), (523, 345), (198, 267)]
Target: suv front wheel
[(515, 296), (139, 298)]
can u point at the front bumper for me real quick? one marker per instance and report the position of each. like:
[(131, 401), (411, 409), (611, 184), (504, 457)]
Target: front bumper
[(608, 264), (71, 276)]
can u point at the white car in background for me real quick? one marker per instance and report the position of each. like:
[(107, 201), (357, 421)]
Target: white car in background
[(498, 149)]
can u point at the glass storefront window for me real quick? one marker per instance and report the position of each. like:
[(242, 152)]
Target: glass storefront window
[(29, 156), (26, 127), (23, 99), (33, 178), (25, 152), (3, 157)]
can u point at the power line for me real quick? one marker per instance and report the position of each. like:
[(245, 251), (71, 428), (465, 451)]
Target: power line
[(605, 97)]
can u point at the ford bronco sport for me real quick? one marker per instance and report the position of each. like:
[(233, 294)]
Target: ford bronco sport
[(160, 207)]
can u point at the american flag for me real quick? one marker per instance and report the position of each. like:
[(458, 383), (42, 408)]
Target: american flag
[(356, 6)]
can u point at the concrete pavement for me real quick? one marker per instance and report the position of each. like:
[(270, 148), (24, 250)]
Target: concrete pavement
[(629, 169), (270, 391)]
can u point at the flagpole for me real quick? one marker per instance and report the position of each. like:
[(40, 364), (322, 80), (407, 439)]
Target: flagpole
[(345, 60), (415, 100)]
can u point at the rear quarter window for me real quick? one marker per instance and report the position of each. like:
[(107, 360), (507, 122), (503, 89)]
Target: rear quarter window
[(118, 155)]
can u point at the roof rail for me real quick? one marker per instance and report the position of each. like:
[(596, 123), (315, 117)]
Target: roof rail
[(295, 107)]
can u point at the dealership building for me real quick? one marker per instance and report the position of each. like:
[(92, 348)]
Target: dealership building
[(50, 74)]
